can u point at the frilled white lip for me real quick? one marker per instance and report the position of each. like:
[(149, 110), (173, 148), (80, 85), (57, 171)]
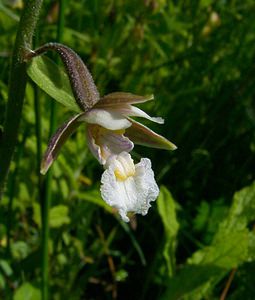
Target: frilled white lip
[(128, 187)]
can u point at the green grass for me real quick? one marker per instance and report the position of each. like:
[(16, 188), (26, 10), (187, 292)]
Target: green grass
[(197, 58)]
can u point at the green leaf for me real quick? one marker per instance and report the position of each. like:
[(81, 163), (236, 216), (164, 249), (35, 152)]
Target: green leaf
[(167, 212), (251, 247), (232, 241), (5, 266), (19, 249), (242, 211), (2, 281), (59, 216), (190, 280), (8, 12), (37, 214), (226, 252), (207, 266), (202, 217), (95, 198), (27, 291), (232, 245), (53, 80)]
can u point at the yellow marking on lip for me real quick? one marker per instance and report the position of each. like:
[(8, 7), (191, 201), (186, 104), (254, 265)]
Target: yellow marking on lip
[(120, 176), (120, 131)]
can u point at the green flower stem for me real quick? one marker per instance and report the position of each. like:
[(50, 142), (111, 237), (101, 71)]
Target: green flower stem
[(38, 127), (17, 85), (45, 208), (12, 186), (38, 133)]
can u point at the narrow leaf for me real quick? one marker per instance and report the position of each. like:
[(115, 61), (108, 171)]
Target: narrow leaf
[(167, 212), (5, 266)]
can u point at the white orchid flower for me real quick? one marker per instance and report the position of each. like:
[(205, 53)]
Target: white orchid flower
[(111, 134)]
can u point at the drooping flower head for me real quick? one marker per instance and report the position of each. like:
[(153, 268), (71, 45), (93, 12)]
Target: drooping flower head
[(111, 134)]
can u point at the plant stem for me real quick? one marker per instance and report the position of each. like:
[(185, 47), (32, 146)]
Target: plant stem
[(37, 110), (228, 284), (38, 128), (12, 185), (17, 85), (38, 133), (48, 182), (45, 208)]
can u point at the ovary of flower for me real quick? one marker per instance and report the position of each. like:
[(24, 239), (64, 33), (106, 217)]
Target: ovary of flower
[(128, 187)]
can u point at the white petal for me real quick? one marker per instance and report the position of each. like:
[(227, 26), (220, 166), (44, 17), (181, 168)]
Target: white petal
[(133, 194), (132, 111), (137, 112), (112, 120)]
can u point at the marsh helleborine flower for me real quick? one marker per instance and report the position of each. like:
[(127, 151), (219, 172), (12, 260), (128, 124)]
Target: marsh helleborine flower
[(111, 134)]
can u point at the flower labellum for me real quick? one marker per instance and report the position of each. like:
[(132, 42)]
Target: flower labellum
[(111, 135), (128, 187)]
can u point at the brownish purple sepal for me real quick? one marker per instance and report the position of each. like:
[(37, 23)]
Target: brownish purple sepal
[(142, 135), (57, 141), (120, 98)]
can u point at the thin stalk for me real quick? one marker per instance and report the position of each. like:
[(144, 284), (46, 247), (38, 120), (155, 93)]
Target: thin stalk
[(228, 284), (38, 127), (12, 183), (17, 85), (38, 133), (45, 207)]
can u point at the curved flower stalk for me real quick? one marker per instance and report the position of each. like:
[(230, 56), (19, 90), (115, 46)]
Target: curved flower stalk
[(111, 134)]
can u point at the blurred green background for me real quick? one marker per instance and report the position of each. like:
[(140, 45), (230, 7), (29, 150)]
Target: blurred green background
[(198, 59)]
